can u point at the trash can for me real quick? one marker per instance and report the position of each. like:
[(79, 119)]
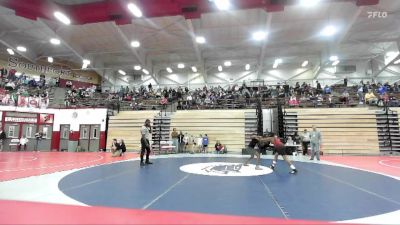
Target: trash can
[(72, 145)]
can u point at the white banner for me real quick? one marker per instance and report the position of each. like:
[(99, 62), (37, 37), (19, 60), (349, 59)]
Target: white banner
[(20, 120)]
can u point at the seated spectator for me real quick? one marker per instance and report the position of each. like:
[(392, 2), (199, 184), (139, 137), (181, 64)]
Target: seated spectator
[(383, 99), (344, 98), (219, 148), (382, 90), (116, 149), (164, 101), (370, 98), (10, 86), (22, 142), (327, 90), (296, 138), (293, 101)]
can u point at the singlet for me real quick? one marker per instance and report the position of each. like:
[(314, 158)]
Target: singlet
[(253, 143), (278, 143)]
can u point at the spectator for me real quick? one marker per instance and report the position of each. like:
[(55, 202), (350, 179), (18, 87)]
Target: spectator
[(181, 142), (117, 150), (344, 98), (293, 101), (2, 138), (199, 143), (219, 148), (123, 147), (315, 140), (174, 136), (305, 141), (370, 98), (327, 90), (186, 141), (22, 142), (205, 143), (319, 88), (360, 93)]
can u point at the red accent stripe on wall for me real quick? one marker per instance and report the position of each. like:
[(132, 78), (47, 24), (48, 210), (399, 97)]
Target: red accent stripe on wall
[(102, 139), (55, 141)]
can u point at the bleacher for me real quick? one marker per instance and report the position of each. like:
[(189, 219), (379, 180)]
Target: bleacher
[(227, 126), (344, 131), (126, 125)]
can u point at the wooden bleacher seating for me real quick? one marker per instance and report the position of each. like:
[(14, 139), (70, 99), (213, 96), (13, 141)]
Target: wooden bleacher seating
[(227, 126), (344, 131), (126, 125)]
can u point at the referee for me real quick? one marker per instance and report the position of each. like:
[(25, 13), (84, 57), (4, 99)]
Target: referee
[(145, 142)]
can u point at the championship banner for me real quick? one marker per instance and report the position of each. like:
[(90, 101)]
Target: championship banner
[(3, 93), (22, 101), (33, 102)]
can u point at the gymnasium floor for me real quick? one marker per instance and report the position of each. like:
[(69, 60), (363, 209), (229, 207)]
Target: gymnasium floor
[(59, 187)]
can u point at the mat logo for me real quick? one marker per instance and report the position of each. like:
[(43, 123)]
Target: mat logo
[(226, 169)]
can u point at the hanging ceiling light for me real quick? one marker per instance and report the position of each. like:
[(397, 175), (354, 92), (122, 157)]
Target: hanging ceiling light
[(62, 18)]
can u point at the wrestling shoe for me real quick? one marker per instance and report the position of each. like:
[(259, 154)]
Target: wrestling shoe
[(272, 167)]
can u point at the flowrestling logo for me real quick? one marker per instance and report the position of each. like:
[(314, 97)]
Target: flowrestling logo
[(225, 169)]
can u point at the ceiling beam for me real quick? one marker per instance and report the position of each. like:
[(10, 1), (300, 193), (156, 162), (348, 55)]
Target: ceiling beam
[(74, 49), (219, 78), (197, 51), (392, 71), (30, 55), (317, 71), (264, 45), (244, 76), (386, 66), (140, 59), (299, 74)]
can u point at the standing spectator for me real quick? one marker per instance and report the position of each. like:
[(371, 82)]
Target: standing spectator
[(199, 143), (145, 131), (181, 142), (2, 138), (315, 139), (22, 142), (305, 141), (123, 147), (360, 93), (205, 143), (174, 137), (186, 141), (319, 88)]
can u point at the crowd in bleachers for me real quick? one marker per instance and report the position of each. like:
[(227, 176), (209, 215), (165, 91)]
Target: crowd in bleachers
[(18, 89), (242, 96), (208, 97)]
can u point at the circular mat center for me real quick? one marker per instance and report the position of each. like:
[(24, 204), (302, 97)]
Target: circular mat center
[(225, 169)]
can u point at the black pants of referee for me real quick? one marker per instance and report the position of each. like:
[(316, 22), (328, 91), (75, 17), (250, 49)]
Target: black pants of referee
[(145, 148)]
